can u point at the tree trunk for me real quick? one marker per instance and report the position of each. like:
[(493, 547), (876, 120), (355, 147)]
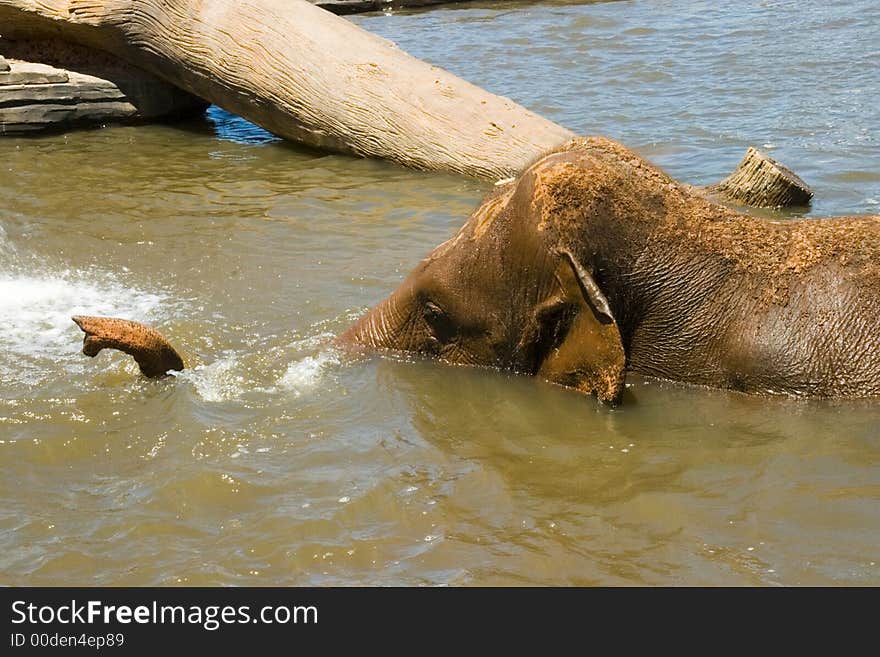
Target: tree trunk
[(303, 74)]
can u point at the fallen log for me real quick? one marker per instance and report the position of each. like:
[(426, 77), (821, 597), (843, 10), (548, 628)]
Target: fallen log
[(309, 76), (303, 74)]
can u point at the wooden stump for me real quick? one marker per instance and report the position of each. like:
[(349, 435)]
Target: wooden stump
[(761, 181)]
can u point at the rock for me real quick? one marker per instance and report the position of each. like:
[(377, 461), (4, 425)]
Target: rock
[(20, 73), (71, 86), (4, 65)]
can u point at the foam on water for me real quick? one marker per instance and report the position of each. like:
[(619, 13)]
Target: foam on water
[(306, 372), (234, 375), (219, 381)]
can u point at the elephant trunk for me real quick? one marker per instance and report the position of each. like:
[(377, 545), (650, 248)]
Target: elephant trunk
[(153, 353), (383, 327)]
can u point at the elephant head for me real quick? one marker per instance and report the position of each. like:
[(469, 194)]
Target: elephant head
[(510, 291)]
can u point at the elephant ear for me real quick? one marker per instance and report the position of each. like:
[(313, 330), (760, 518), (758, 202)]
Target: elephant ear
[(588, 352)]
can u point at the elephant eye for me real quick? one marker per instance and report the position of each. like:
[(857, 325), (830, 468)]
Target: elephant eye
[(438, 320), (432, 311)]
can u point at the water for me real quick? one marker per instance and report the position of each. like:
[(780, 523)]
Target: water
[(275, 460)]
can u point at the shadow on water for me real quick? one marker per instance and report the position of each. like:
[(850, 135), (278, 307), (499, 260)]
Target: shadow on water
[(228, 127), (233, 128)]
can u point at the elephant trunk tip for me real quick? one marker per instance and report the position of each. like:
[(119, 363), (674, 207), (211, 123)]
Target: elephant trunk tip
[(151, 350)]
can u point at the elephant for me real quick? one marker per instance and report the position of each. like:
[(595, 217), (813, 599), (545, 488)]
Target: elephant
[(593, 262)]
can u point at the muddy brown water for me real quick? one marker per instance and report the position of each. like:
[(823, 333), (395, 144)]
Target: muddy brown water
[(274, 460)]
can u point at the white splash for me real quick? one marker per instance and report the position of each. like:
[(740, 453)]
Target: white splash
[(219, 381), (306, 373), (235, 374), (35, 313)]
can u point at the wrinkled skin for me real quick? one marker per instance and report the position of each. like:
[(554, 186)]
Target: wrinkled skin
[(594, 261)]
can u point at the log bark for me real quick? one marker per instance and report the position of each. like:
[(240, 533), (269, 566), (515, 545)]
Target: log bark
[(761, 181), (306, 75)]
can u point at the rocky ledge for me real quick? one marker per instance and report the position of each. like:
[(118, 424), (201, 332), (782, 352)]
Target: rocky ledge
[(70, 87)]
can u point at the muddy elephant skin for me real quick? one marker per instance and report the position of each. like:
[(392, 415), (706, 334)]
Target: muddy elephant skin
[(593, 262)]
